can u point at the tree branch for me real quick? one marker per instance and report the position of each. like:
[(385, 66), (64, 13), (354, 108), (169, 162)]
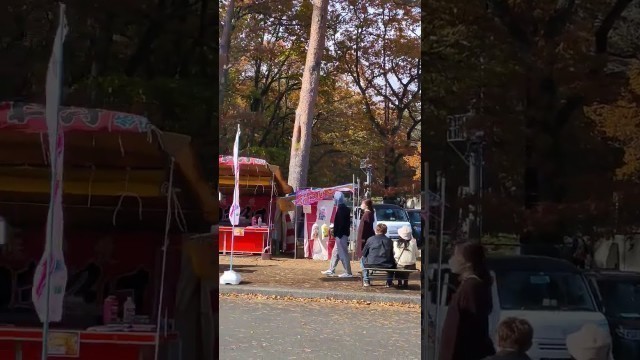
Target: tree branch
[(558, 21), (563, 115), (602, 33), (502, 11), (328, 152)]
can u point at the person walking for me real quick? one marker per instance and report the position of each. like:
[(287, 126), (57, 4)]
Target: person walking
[(365, 228), (590, 343), (405, 252), (465, 331), (515, 337), (378, 253), (341, 230)]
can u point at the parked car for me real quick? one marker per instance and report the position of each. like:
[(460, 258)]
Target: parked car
[(552, 294), (416, 224), (393, 216), (618, 295)]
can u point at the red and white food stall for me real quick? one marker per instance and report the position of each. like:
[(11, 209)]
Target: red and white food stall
[(319, 212), (121, 175), (260, 184)]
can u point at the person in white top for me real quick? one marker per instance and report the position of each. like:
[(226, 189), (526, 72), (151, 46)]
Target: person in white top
[(405, 251), (590, 343)]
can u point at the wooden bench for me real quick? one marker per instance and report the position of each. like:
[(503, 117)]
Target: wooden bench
[(379, 272)]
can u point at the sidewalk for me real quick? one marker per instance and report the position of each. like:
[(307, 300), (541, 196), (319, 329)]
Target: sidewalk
[(301, 278)]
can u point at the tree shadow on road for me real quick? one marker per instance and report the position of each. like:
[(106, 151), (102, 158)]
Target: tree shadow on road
[(339, 279), (247, 269)]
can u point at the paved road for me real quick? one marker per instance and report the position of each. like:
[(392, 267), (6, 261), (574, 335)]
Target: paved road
[(278, 330)]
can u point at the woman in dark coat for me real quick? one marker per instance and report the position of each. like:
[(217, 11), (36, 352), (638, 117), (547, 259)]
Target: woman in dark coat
[(465, 332), (365, 229)]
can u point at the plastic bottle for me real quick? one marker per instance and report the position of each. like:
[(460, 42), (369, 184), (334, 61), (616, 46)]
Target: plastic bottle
[(129, 311), (259, 221), (110, 310)]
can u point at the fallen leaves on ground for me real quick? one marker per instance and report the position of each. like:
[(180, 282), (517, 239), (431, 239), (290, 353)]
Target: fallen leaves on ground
[(285, 272), (355, 303)]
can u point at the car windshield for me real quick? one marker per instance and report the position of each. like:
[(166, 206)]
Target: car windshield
[(621, 297), (391, 214), (529, 290), (415, 217)]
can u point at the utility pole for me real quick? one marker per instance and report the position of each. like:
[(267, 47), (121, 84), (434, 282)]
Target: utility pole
[(475, 161), (367, 168), (470, 150), (474, 158)]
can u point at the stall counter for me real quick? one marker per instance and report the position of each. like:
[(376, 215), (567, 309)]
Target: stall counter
[(251, 239), (26, 344)]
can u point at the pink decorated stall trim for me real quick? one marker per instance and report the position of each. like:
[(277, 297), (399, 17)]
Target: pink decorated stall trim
[(312, 196), (227, 160), (31, 118)]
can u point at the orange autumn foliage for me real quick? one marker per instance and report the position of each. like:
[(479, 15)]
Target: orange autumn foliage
[(620, 122)]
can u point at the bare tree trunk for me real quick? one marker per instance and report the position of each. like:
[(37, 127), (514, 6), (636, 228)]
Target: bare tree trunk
[(223, 59), (301, 141)]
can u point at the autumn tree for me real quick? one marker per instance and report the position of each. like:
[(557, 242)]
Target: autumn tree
[(469, 70), (524, 72), (620, 120), (155, 58), (225, 41), (376, 44), (619, 123), (267, 59), (414, 161), (562, 67), (301, 140), (265, 71)]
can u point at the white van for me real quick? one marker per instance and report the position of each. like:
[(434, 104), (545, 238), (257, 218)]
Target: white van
[(552, 294), (393, 216)]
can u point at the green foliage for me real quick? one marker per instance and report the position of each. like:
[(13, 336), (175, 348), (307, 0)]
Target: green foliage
[(271, 155), (142, 56)]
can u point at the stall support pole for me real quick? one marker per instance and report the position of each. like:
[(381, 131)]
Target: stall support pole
[(359, 200), (440, 255), (295, 230), (53, 90), (354, 238), (425, 268), (165, 245), (269, 243)]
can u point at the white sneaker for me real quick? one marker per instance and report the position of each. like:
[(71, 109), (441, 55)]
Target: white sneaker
[(328, 273), (345, 275)]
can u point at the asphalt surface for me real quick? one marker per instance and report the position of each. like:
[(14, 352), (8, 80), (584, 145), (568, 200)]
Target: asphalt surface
[(278, 330)]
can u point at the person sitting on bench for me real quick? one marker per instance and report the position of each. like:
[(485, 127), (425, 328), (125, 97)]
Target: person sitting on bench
[(378, 253), (405, 250)]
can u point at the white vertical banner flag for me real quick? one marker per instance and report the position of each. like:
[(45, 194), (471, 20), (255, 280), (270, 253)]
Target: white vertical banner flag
[(50, 278), (234, 211)]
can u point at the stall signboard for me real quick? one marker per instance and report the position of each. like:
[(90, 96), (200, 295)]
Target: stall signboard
[(239, 231), (64, 344)]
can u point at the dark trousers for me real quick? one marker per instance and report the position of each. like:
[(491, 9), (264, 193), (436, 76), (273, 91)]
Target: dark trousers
[(403, 275)]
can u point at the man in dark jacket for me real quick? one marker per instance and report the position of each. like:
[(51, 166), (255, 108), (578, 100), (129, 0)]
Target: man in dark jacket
[(378, 253), (341, 231), (515, 337)]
